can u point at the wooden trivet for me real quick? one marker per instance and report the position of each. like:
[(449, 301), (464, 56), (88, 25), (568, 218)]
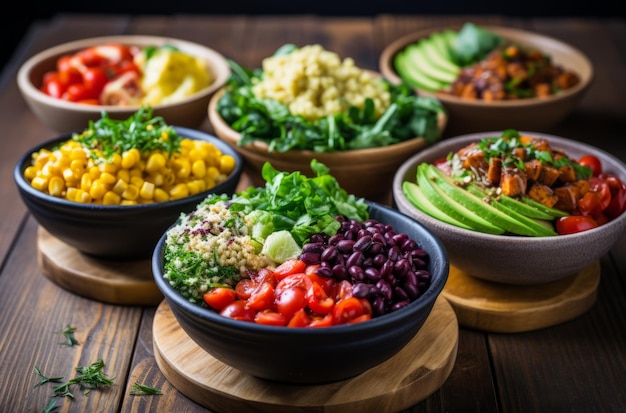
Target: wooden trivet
[(502, 308), (412, 375), (109, 281)]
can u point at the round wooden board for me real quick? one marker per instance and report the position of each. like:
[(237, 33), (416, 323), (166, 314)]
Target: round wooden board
[(113, 282), (502, 308), (410, 376)]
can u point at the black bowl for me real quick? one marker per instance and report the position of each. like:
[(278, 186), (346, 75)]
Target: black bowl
[(311, 355), (111, 231)]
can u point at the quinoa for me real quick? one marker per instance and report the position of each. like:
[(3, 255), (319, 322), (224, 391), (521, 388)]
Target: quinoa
[(209, 247)]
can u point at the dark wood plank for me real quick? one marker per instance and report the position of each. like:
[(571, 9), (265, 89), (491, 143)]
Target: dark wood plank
[(34, 311)]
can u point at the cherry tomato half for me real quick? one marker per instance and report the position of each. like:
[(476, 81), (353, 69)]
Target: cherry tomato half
[(219, 297), (575, 223), (592, 163), (238, 310)]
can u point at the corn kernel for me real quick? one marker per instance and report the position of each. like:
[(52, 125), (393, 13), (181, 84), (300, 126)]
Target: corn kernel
[(179, 191), (160, 195), (227, 164), (56, 186), (119, 187), (156, 161), (111, 198), (147, 190), (131, 192)]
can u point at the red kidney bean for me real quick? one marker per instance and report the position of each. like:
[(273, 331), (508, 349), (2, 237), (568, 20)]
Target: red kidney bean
[(316, 247), (310, 258), (340, 272), (372, 274), (345, 245), (363, 243), (357, 273), (355, 259), (329, 254)]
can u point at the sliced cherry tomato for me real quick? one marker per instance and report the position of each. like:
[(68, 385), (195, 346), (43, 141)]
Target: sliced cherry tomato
[(342, 290), (53, 86), (262, 298), (77, 92), (346, 310), (94, 80), (360, 319), (318, 301), (238, 310), (289, 267), (575, 223), (219, 297), (245, 287), (70, 76), (270, 317), (64, 63), (327, 283), (294, 280), (299, 319), (443, 165), (325, 321), (265, 275), (290, 300), (592, 163)]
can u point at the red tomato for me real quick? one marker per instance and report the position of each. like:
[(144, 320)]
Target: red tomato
[(245, 287), (360, 319), (318, 301), (53, 86), (262, 298), (270, 317), (290, 300), (325, 321), (95, 79), (123, 67), (265, 275), (341, 290), (289, 267), (70, 76), (237, 310), (64, 63), (346, 310), (299, 280), (77, 92), (575, 223), (299, 319), (327, 283), (592, 163), (618, 196), (443, 165), (219, 297)]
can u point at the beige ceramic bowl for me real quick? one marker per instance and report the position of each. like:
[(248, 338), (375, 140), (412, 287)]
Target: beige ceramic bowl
[(515, 259), (467, 116), (64, 117), (366, 173)]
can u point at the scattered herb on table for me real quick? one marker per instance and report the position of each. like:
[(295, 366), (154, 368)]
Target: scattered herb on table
[(68, 333), (45, 379), (142, 390)]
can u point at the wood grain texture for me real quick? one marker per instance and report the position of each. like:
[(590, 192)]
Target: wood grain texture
[(410, 376), (501, 308), (109, 281)]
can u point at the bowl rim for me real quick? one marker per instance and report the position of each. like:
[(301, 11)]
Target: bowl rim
[(429, 297), (389, 51), (217, 64), (410, 163), (18, 176)]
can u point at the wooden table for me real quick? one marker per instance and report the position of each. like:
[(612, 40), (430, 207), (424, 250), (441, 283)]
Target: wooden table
[(576, 366)]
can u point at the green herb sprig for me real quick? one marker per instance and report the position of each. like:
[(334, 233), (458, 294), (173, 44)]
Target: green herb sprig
[(143, 390), (68, 333), (106, 137)]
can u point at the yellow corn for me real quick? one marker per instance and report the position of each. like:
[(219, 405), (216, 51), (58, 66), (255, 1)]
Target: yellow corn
[(111, 198), (147, 190), (179, 191), (56, 186)]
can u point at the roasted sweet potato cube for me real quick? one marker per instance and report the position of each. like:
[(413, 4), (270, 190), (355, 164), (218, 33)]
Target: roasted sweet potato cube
[(532, 169), (512, 182), (567, 173), (542, 90), (567, 196), (549, 174), (541, 145), (582, 186), (475, 161), (494, 171), (519, 153), (543, 194)]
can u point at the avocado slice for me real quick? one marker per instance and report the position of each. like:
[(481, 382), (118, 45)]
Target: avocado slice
[(415, 195), (502, 217), (437, 52), (529, 226), (412, 75), (515, 204), (556, 213), (451, 207), (419, 58)]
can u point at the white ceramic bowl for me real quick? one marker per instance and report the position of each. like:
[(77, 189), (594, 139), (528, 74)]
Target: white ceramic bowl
[(515, 259), (64, 116), (535, 114)]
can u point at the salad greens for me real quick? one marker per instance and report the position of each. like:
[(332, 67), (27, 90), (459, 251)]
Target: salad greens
[(141, 130), (297, 203), (473, 43), (270, 121)]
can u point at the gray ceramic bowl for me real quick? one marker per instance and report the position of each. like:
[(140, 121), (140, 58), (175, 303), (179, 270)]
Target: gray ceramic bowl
[(311, 355), (110, 231), (515, 259)]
